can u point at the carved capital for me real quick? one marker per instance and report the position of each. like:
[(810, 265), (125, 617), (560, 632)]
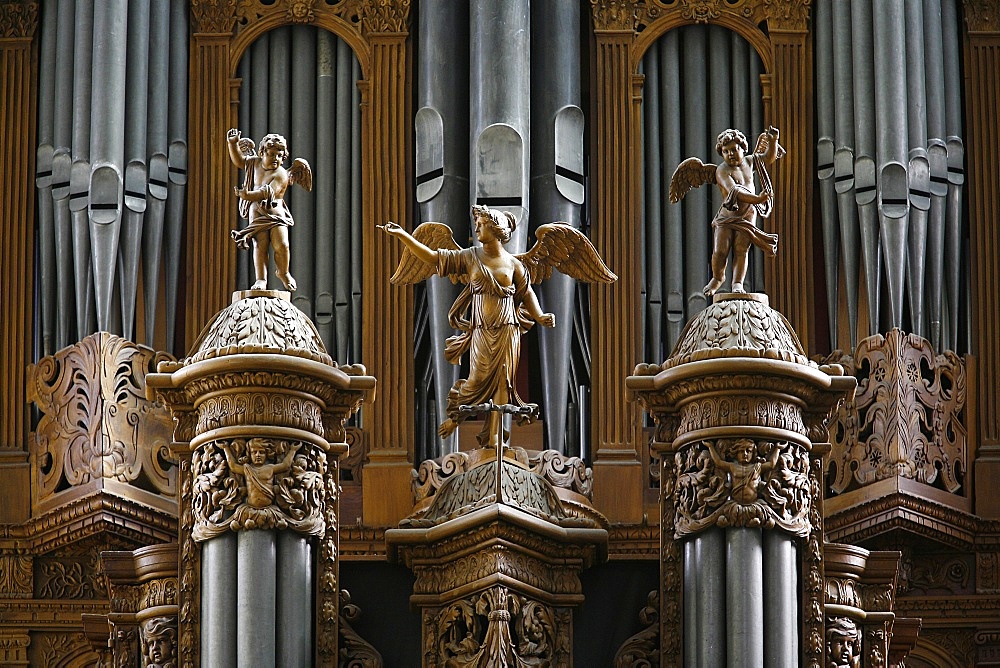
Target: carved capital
[(787, 14), (983, 15), (739, 482), (615, 15), (258, 483), (213, 16), (385, 16), (18, 20)]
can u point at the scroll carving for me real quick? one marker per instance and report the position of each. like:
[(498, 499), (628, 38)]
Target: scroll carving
[(643, 648), (258, 484), (18, 19), (497, 628), (355, 651), (907, 418), (16, 579), (329, 602), (96, 421), (742, 483), (189, 573)]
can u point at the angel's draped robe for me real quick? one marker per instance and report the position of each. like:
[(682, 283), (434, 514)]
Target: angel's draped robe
[(262, 215), (490, 322)]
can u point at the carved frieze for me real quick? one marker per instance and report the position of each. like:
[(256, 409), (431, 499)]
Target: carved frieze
[(643, 648), (740, 482), (258, 483), (96, 421), (907, 418), (497, 627), (719, 411), (16, 580), (62, 578)]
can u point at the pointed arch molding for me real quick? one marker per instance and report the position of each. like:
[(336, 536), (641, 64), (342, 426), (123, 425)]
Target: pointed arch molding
[(221, 30), (623, 30)]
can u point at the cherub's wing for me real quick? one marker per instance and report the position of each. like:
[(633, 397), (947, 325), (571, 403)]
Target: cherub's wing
[(692, 173), (246, 147), (300, 173), (563, 247), (412, 269)]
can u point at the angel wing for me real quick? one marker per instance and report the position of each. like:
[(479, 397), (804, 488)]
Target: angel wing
[(301, 173), (563, 247), (412, 269), (692, 173), (246, 147)]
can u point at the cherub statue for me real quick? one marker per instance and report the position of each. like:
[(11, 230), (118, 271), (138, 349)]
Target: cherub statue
[(258, 474), (746, 472), (735, 226), (498, 304), (262, 203)]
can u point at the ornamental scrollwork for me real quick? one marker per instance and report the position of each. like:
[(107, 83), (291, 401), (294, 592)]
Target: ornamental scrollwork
[(497, 628), (159, 592), (812, 566), (258, 484), (355, 651), (159, 642), (842, 591), (18, 19), (96, 421), (16, 580), (739, 482), (643, 648), (907, 418)]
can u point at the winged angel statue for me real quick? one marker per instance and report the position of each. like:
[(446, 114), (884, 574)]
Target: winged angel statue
[(498, 304), (262, 201), (735, 226)]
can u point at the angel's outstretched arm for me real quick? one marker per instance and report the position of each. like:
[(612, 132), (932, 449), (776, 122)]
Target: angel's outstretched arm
[(423, 253), (232, 140), (771, 153), (234, 466)]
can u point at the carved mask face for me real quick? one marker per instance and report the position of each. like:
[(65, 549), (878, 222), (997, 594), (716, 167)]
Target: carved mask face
[(744, 454), (841, 650), (733, 153), (258, 455)]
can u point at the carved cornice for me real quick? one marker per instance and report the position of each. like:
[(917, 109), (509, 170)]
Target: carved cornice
[(18, 20), (615, 15), (940, 608), (384, 16), (213, 16), (983, 15)]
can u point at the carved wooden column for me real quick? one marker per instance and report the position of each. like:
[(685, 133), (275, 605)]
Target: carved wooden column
[(388, 311), (741, 418), (211, 210), (789, 279), (18, 24), (982, 98), (615, 231), (260, 410)]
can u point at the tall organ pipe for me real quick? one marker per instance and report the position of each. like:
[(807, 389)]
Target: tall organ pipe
[(673, 227), (696, 212), (843, 160), (62, 163), (176, 160), (499, 79), (357, 248), (156, 148), (136, 171), (442, 153), (43, 179), (937, 157), (653, 181), (951, 31), (323, 180), (342, 198), (557, 191), (918, 171), (107, 149), (891, 153), (825, 126), (303, 142), (864, 162)]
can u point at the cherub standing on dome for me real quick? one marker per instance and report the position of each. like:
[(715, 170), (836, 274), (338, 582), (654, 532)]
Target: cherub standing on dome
[(498, 304), (262, 201), (735, 225)]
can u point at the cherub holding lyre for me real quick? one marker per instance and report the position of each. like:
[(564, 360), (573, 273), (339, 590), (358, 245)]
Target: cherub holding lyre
[(735, 225), (498, 304), (262, 201)]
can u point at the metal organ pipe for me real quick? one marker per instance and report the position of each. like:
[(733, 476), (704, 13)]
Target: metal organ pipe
[(673, 228), (918, 171), (653, 181), (43, 179), (107, 149), (442, 154), (697, 216), (323, 180), (356, 245), (342, 207), (937, 157), (303, 142), (62, 163), (499, 79), (79, 187), (951, 31), (822, 18), (176, 159)]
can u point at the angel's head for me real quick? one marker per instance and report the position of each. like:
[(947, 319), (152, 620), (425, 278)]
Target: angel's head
[(274, 144), (732, 146), (500, 222)]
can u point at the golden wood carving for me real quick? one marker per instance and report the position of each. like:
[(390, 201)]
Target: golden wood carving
[(907, 418), (355, 650), (843, 643), (982, 15), (643, 648), (18, 19), (615, 14), (97, 424), (16, 580)]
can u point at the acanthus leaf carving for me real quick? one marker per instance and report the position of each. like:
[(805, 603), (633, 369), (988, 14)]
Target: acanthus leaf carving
[(643, 648), (213, 16), (385, 16), (787, 14), (620, 15), (18, 19), (16, 580), (355, 651)]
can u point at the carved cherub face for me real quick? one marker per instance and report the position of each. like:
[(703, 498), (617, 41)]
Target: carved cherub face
[(841, 650), (733, 153), (273, 150), (744, 451), (258, 452)]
